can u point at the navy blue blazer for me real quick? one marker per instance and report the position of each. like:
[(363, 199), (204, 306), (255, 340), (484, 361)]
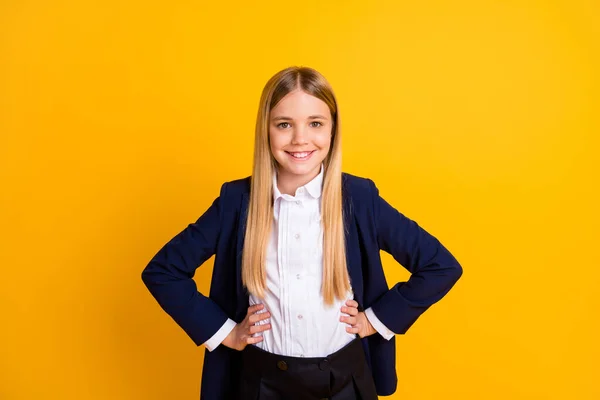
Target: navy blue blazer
[(371, 225)]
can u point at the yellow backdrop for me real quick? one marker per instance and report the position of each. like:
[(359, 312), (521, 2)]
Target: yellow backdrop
[(120, 120)]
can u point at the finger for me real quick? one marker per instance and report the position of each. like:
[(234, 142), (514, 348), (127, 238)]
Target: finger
[(254, 339), (254, 308), (352, 329), (254, 318), (259, 328), (350, 310), (352, 303), (349, 320)]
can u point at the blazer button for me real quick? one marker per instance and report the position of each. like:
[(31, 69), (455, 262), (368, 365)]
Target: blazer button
[(282, 365)]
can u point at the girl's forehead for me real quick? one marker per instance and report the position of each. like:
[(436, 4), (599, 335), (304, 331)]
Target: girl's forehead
[(300, 104)]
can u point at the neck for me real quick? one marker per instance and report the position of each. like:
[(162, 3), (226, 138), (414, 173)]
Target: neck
[(288, 183)]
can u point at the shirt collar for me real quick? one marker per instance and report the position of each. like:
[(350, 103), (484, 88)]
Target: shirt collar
[(314, 187)]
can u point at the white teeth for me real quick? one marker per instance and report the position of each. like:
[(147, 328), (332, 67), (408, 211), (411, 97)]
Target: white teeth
[(300, 155)]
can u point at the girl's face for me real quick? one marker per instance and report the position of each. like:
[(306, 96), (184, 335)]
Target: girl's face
[(300, 129)]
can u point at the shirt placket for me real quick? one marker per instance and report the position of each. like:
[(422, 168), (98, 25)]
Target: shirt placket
[(292, 288), (299, 288)]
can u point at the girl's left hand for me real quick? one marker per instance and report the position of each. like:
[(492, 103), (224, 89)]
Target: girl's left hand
[(358, 321)]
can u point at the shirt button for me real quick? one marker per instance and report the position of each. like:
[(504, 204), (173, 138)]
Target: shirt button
[(297, 236), (298, 202), (297, 276), (300, 316), (301, 190)]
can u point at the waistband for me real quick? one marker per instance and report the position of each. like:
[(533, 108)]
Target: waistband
[(346, 359)]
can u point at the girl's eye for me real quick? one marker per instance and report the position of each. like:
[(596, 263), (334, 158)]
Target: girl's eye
[(314, 124)]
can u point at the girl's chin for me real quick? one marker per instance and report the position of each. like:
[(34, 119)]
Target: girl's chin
[(299, 168)]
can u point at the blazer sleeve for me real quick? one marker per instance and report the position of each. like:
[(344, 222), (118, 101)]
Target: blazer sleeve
[(168, 275), (434, 271)]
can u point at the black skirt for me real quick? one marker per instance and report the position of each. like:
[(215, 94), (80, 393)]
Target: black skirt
[(343, 375)]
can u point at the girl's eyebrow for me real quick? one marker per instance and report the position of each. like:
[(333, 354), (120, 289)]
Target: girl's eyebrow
[(289, 118)]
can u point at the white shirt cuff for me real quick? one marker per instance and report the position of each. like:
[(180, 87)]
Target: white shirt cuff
[(378, 325), (220, 335)]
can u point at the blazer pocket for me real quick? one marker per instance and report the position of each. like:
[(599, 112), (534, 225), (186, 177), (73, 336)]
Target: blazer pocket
[(364, 386), (250, 388)]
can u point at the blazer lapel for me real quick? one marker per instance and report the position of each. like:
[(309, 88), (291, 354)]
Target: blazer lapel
[(353, 257), (242, 293)]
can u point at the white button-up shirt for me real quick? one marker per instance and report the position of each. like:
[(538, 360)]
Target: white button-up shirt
[(302, 325)]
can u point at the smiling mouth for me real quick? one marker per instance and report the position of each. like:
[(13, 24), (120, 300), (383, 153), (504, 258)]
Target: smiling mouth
[(301, 155)]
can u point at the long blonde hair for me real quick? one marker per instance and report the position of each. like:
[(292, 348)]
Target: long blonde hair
[(260, 208)]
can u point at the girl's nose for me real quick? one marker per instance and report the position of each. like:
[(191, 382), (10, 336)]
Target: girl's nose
[(299, 135)]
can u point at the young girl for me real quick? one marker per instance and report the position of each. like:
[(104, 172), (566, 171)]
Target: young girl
[(299, 307)]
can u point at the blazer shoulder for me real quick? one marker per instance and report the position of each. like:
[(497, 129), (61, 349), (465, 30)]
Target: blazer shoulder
[(357, 184), (236, 187)]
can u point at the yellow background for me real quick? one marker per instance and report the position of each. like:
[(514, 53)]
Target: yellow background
[(119, 121)]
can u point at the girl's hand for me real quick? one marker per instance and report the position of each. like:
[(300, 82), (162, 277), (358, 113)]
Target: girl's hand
[(358, 321), (241, 335)]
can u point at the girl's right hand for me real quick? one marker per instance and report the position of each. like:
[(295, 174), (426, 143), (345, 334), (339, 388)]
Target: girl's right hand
[(241, 335)]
